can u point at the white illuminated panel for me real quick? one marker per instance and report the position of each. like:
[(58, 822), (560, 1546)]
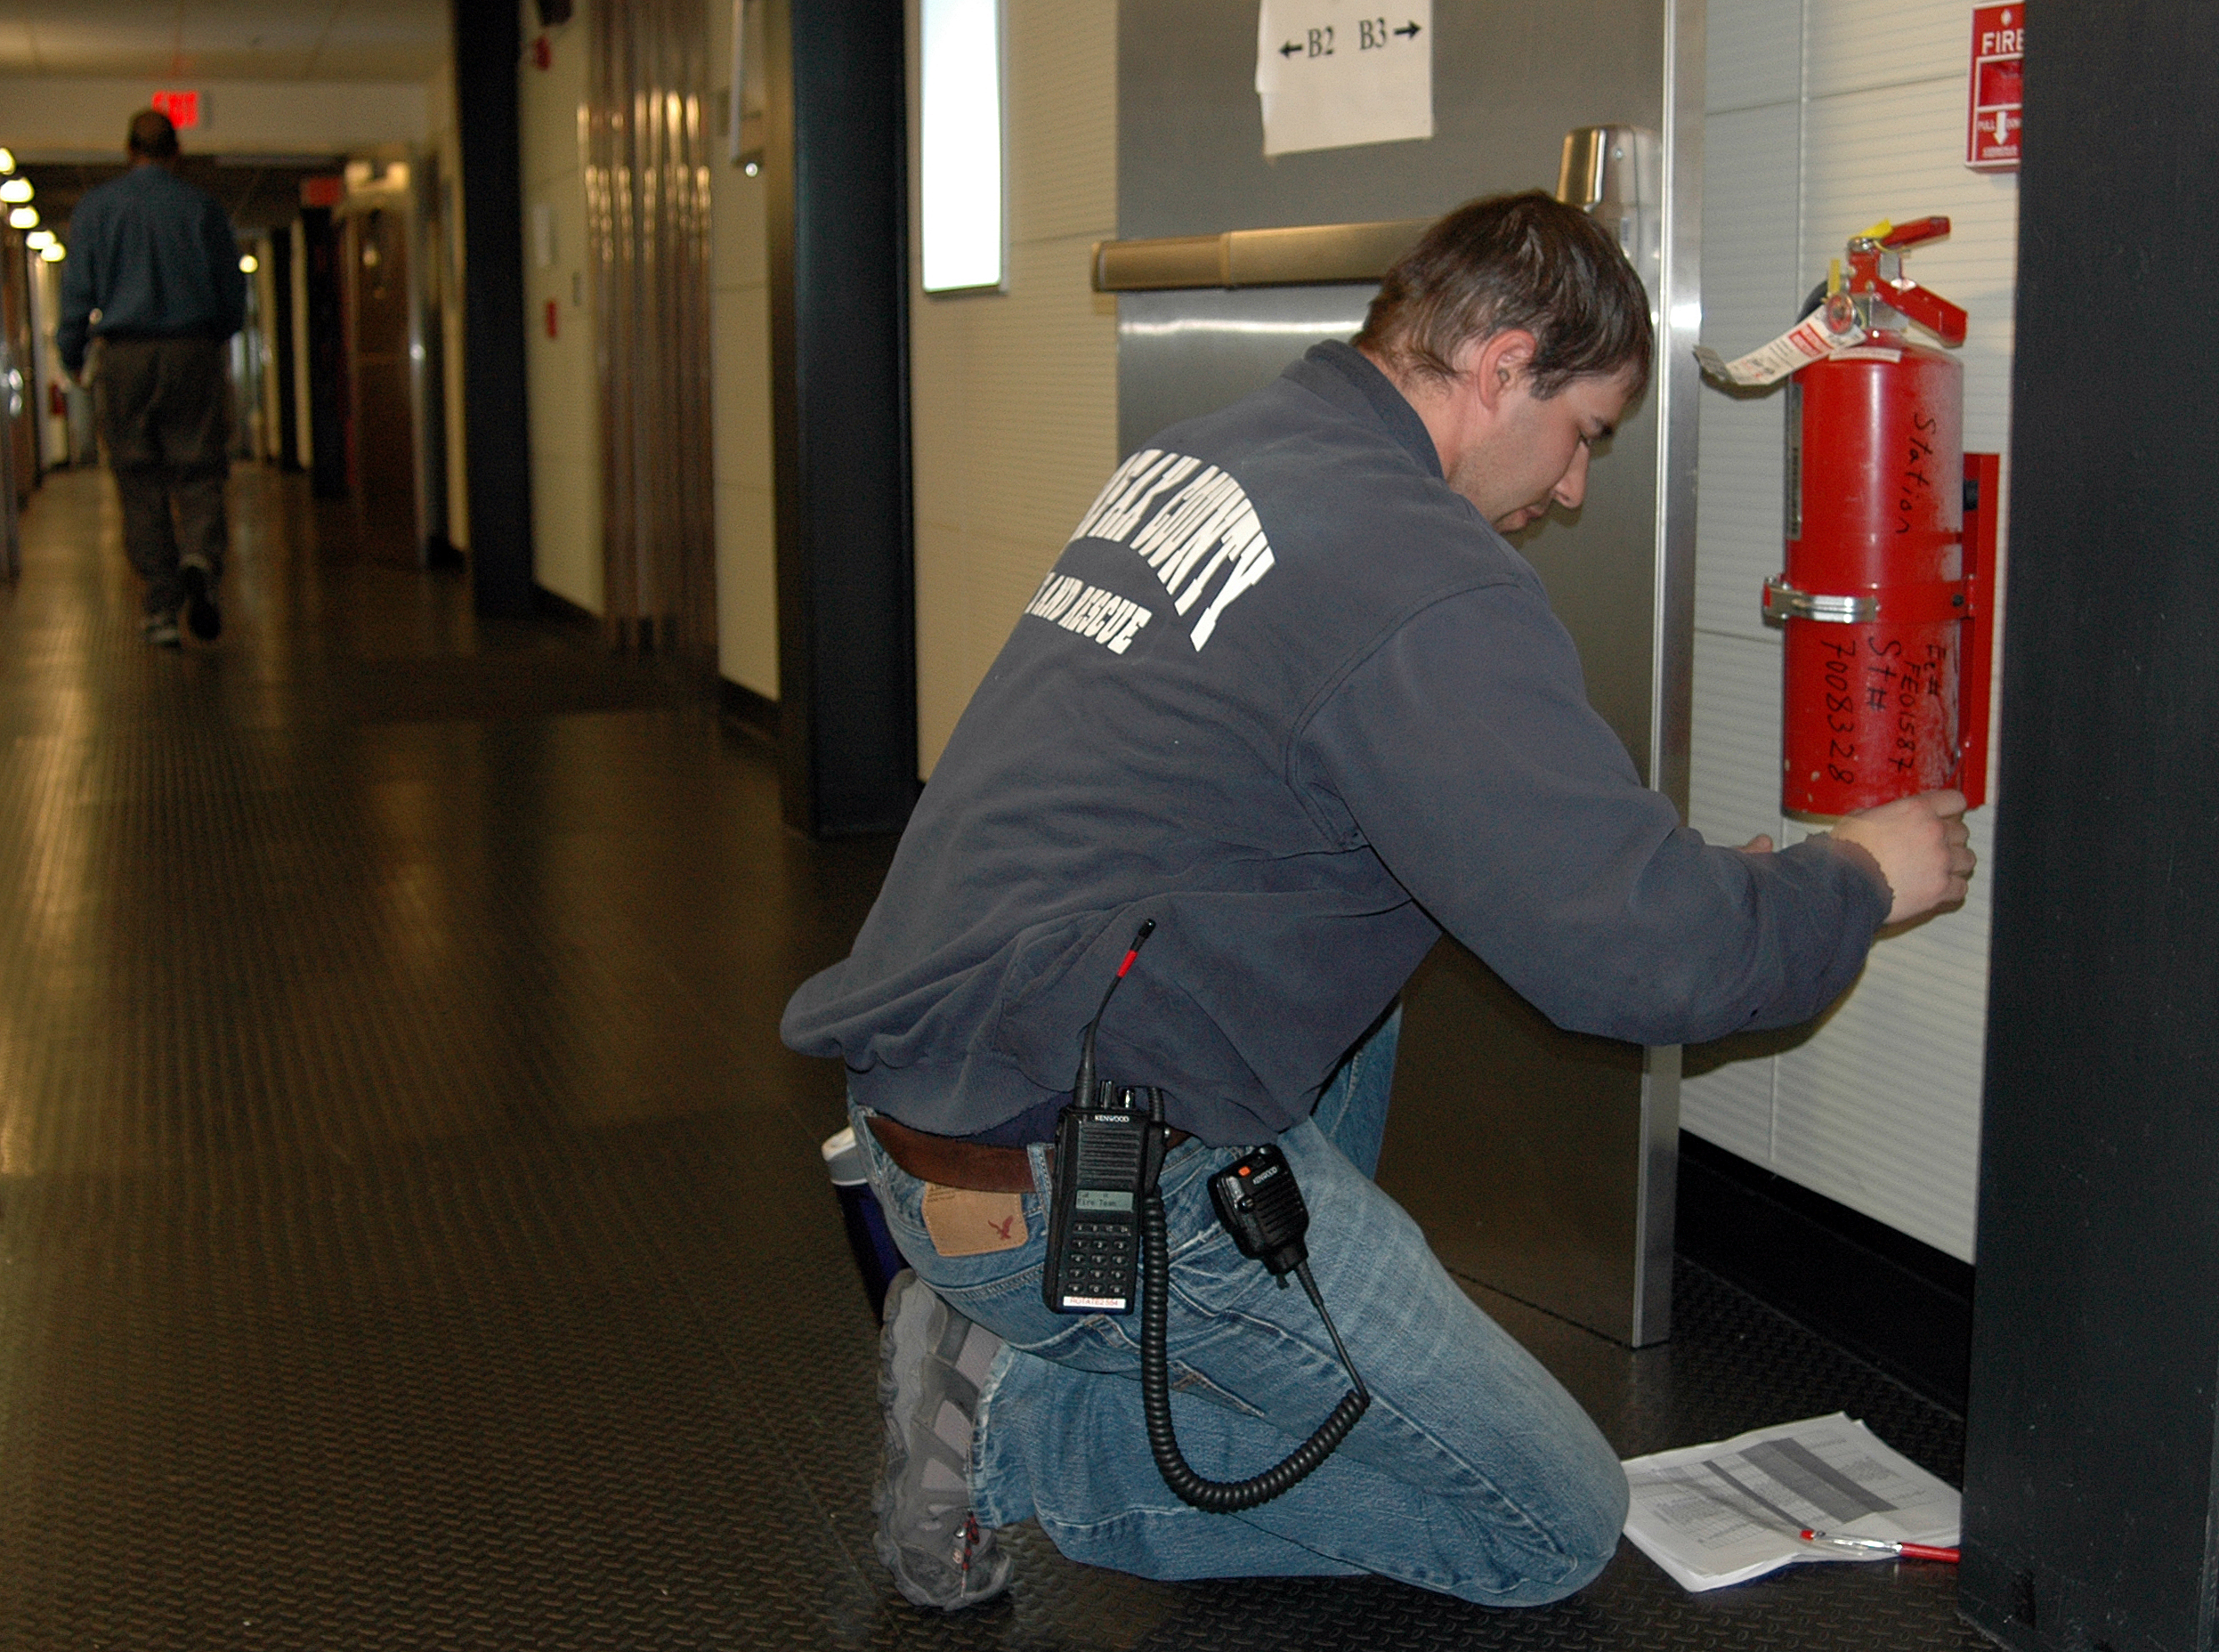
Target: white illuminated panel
[(962, 145)]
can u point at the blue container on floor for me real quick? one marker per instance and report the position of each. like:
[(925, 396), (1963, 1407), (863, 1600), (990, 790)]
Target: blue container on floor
[(877, 1259)]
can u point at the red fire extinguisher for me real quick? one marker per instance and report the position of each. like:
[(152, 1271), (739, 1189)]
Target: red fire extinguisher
[(1891, 544)]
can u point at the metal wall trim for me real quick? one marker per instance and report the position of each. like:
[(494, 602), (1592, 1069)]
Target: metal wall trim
[(1672, 710), (1306, 255)]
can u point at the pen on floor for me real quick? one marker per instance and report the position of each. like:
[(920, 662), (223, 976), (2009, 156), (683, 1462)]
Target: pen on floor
[(1880, 1545)]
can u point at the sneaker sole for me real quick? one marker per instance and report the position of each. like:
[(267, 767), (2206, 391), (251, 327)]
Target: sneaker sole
[(916, 1325)]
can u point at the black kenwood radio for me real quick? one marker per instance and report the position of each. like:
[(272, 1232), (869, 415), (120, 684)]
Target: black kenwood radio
[(1105, 1235), (1094, 1223)]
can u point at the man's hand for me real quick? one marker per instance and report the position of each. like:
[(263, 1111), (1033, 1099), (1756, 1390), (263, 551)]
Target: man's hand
[(1920, 845)]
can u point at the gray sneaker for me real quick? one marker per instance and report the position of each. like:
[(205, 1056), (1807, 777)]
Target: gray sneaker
[(931, 1362), (161, 630)]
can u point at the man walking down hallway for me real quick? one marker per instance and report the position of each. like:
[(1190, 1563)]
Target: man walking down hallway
[(154, 277)]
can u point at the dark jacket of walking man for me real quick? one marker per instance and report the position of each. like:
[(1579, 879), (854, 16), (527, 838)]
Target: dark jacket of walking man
[(153, 275)]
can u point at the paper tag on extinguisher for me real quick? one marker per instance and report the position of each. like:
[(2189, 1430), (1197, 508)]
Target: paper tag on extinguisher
[(1828, 330)]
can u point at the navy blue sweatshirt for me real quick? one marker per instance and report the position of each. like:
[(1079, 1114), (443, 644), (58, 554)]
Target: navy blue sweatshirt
[(156, 256), (1293, 697)]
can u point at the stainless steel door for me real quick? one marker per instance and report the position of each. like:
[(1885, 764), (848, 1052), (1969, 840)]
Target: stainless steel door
[(1539, 1162)]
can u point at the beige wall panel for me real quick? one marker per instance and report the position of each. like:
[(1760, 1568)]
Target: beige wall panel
[(738, 252), (939, 403), (746, 589), (943, 650), (560, 376), (742, 320), (740, 326), (1056, 48), (1041, 371), (549, 102), (566, 525), (1014, 394), (975, 598)]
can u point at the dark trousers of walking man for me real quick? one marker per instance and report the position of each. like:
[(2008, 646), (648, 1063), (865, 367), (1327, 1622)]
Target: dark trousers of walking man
[(164, 418)]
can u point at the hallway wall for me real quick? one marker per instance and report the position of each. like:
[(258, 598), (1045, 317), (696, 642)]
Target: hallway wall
[(740, 325), (563, 387), (1822, 118), (445, 147), (1013, 396), (86, 113)]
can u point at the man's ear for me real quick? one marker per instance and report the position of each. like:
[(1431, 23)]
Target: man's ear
[(1498, 361)]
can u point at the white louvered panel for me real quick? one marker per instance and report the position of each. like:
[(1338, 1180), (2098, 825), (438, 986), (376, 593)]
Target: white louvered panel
[(1738, 521), (1879, 1107), (1753, 267), (1737, 514), (1857, 44), (1734, 790), (1730, 1106), (1751, 257), (1756, 57)]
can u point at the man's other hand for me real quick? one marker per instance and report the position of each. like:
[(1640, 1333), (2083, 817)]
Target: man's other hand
[(1920, 844)]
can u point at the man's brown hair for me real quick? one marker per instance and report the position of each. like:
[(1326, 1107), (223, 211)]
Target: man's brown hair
[(151, 134), (1523, 261)]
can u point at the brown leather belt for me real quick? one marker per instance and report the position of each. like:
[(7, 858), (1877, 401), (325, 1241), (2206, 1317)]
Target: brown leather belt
[(952, 1162)]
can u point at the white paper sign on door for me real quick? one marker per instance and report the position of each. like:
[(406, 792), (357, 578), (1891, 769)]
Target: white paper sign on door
[(1333, 73)]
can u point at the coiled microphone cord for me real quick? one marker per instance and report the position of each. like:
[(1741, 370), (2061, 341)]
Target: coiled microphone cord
[(1220, 1496)]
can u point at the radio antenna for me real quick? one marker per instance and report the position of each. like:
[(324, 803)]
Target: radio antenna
[(1082, 1088)]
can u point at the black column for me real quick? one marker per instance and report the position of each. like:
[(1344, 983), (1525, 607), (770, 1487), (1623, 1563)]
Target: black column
[(497, 440), (281, 326), (328, 396), (839, 195), (2089, 1505)]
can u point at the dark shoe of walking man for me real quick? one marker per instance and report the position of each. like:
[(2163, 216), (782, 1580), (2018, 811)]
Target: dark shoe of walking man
[(153, 257)]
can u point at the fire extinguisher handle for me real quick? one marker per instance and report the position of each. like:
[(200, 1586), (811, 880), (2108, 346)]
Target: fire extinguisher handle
[(1918, 231), (1931, 310)]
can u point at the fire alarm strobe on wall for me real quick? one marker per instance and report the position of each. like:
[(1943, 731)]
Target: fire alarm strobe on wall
[(1992, 93)]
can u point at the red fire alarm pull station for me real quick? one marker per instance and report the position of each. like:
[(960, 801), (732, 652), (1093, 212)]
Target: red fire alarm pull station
[(1993, 93)]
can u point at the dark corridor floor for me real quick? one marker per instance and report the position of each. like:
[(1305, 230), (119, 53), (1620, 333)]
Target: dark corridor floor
[(412, 1232)]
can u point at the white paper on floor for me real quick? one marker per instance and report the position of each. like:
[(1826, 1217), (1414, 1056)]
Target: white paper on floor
[(1722, 1513)]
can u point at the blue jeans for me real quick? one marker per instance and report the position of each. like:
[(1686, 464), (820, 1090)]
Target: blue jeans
[(1473, 1473)]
